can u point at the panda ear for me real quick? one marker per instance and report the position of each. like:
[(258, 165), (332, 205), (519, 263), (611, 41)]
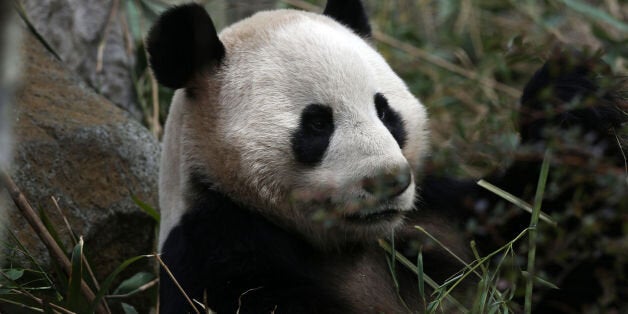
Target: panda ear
[(181, 44), (350, 13)]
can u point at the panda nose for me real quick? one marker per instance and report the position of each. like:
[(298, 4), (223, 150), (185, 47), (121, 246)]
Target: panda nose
[(388, 184)]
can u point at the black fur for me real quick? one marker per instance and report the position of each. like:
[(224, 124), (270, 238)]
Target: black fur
[(391, 119), (234, 255), (310, 140), (350, 13), (181, 44)]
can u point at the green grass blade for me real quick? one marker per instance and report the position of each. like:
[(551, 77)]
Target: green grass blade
[(441, 244), (405, 262), (24, 251), (534, 220), (75, 300), (515, 200), (421, 276), (540, 280)]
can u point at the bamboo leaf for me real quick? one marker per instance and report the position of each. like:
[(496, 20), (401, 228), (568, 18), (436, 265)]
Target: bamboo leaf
[(131, 285), (14, 273), (109, 280), (147, 208), (128, 309), (75, 300)]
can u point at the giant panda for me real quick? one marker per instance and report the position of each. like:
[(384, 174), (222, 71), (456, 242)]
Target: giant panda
[(290, 147)]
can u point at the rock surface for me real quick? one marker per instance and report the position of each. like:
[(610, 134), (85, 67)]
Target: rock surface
[(73, 144), (75, 28)]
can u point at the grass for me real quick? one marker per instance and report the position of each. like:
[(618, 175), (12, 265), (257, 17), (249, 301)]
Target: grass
[(488, 297), (76, 289)]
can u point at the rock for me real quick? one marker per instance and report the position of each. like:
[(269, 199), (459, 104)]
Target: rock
[(74, 29), (73, 144)]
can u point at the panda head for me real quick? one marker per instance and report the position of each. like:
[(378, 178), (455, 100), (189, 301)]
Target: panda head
[(292, 114)]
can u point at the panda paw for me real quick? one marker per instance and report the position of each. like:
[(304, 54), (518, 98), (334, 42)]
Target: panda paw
[(573, 91)]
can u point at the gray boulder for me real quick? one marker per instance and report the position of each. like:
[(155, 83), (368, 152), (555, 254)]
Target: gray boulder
[(73, 144)]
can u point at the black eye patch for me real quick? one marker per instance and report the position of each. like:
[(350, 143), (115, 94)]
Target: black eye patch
[(311, 139), (391, 119)]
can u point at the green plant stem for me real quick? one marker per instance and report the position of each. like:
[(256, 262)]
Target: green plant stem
[(486, 258), (538, 199), (404, 261)]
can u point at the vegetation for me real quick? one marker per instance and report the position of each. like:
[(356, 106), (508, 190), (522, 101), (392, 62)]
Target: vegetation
[(467, 60)]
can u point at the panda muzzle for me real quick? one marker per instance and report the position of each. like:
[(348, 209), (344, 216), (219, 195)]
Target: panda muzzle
[(388, 185)]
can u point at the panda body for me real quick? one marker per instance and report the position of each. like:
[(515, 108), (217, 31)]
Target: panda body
[(237, 260), (291, 147), (298, 116)]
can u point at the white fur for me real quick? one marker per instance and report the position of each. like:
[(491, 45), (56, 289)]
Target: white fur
[(239, 128)]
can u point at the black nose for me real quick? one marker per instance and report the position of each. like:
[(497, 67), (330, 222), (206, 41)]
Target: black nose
[(388, 184)]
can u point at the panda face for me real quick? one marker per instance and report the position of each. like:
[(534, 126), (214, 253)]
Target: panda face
[(325, 132), (305, 122)]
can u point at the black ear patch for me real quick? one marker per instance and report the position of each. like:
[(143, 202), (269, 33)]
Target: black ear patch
[(391, 119), (350, 13), (310, 140), (182, 43)]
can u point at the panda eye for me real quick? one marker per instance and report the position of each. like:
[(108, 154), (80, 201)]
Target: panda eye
[(390, 118), (381, 114), (316, 124), (318, 119), (311, 139), (381, 106)]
